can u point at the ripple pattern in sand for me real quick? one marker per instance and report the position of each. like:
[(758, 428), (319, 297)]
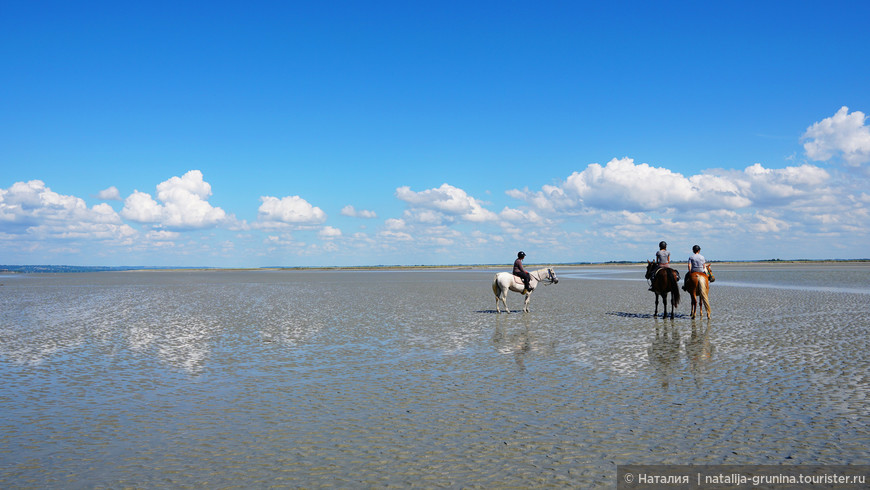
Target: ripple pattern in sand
[(394, 378)]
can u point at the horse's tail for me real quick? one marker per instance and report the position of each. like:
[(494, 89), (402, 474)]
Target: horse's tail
[(496, 287), (703, 292), (675, 288)]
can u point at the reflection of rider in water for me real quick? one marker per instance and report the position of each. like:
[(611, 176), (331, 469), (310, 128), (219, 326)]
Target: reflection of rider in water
[(521, 272)]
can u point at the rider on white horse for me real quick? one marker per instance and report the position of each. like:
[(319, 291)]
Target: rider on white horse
[(521, 272)]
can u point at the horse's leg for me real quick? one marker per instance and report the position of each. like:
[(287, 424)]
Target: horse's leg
[(692, 309), (656, 313), (694, 302), (526, 303), (500, 291), (689, 287)]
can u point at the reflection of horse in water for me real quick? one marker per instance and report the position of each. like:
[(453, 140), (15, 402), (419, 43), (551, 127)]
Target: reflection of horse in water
[(516, 344), (664, 352), (505, 281), (699, 350), (519, 343), (697, 284), (664, 280)]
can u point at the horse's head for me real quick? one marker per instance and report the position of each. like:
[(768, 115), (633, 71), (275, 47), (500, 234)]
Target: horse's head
[(709, 272), (649, 268), (551, 275)]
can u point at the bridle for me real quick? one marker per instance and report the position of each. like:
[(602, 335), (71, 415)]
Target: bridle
[(551, 277)]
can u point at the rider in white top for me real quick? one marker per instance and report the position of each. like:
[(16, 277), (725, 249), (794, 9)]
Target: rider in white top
[(697, 261)]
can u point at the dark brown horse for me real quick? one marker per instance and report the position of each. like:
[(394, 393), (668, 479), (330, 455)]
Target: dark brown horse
[(697, 284), (664, 280)]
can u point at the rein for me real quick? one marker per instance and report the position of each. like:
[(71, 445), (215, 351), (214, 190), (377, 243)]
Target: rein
[(549, 277)]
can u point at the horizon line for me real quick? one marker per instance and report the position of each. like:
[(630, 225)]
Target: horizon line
[(11, 268)]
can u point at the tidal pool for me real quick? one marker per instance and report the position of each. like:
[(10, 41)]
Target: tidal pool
[(404, 378)]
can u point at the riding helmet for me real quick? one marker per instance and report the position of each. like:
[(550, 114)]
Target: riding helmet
[(663, 244), (521, 255)]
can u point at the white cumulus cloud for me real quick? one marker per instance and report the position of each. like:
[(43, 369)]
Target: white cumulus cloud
[(447, 202), (843, 133), (110, 194), (351, 211), (395, 224), (766, 186), (329, 232), (521, 216), (31, 208), (290, 210), (142, 208), (622, 185), (183, 204)]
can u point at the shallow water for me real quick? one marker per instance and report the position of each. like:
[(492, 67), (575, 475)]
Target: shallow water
[(409, 378)]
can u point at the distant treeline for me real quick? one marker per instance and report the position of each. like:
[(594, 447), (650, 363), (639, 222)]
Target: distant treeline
[(96, 268), (67, 268)]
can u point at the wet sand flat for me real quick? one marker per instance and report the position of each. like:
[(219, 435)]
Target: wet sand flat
[(409, 378)]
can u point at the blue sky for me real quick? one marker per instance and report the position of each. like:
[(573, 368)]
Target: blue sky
[(365, 133)]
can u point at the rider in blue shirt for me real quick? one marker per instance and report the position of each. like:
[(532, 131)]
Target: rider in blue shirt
[(697, 263)]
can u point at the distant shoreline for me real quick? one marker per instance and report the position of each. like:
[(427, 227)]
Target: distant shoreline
[(53, 269)]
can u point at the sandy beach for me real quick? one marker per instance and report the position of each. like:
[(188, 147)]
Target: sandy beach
[(364, 378)]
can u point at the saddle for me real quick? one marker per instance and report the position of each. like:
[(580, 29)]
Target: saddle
[(666, 268), (519, 282)]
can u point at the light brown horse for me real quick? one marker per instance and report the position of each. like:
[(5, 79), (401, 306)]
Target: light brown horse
[(697, 284), (664, 280)]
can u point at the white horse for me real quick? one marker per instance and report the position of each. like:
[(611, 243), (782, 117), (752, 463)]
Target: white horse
[(505, 281)]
